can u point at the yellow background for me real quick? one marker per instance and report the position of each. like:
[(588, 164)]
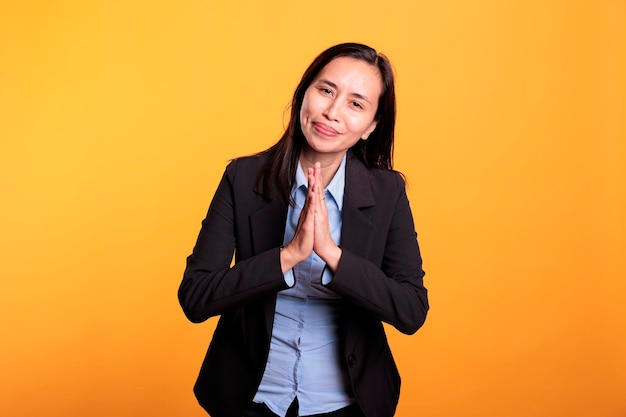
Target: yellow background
[(117, 119)]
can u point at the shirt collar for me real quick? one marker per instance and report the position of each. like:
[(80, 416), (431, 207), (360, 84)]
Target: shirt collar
[(335, 187)]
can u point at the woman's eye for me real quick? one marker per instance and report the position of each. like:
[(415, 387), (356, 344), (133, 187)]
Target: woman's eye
[(326, 90), (356, 105)]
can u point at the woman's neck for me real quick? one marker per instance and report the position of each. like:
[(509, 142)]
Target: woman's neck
[(329, 164)]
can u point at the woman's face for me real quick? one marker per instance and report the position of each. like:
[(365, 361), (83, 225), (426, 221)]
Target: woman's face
[(339, 107)]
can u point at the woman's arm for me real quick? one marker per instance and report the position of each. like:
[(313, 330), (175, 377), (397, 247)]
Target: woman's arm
[(210, 286), (394, 291)]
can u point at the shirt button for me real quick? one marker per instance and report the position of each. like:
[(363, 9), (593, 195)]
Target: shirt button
[(351, 360), (300, 325)]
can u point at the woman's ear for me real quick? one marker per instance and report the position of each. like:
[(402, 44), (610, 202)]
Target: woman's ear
[(369, 130)]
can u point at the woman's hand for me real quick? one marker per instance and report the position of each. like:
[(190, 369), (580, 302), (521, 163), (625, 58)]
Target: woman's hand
[(301, 245), (323, 243), (313, 231)]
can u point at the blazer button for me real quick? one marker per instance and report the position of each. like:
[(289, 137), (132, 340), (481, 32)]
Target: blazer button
[(351, 359)]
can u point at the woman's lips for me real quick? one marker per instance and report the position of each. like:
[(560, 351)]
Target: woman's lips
[(325, 130)]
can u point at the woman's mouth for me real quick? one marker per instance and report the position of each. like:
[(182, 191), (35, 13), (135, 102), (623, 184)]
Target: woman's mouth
[(325, 130)]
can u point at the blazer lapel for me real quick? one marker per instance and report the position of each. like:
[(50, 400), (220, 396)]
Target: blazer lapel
[(357, 230), (267, 226)]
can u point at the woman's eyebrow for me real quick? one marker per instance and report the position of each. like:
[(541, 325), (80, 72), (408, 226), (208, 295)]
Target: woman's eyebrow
[(333, 85)]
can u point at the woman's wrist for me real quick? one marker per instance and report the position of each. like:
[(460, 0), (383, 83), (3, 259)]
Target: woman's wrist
[(332, 257), (288, 258)]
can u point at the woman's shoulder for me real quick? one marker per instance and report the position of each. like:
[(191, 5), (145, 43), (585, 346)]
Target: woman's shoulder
[(381, 176), (390, 175), (387, 182), (249, 164)]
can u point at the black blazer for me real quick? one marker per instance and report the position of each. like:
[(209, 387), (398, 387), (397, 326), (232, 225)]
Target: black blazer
[(379, 276)]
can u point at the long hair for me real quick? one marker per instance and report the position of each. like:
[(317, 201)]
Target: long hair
[(278, 174)]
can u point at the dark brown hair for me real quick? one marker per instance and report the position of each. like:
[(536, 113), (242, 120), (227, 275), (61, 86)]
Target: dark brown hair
[(278, 174)]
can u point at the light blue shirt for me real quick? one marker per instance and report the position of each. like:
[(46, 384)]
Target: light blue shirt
[(305, 358)]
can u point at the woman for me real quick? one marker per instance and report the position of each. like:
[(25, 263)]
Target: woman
[(325, 251)]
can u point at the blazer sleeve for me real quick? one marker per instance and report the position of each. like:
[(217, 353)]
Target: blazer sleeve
[(210, 286), (392, 290)]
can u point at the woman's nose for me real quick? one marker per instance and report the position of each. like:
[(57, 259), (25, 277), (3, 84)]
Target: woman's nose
[(332, 110)]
